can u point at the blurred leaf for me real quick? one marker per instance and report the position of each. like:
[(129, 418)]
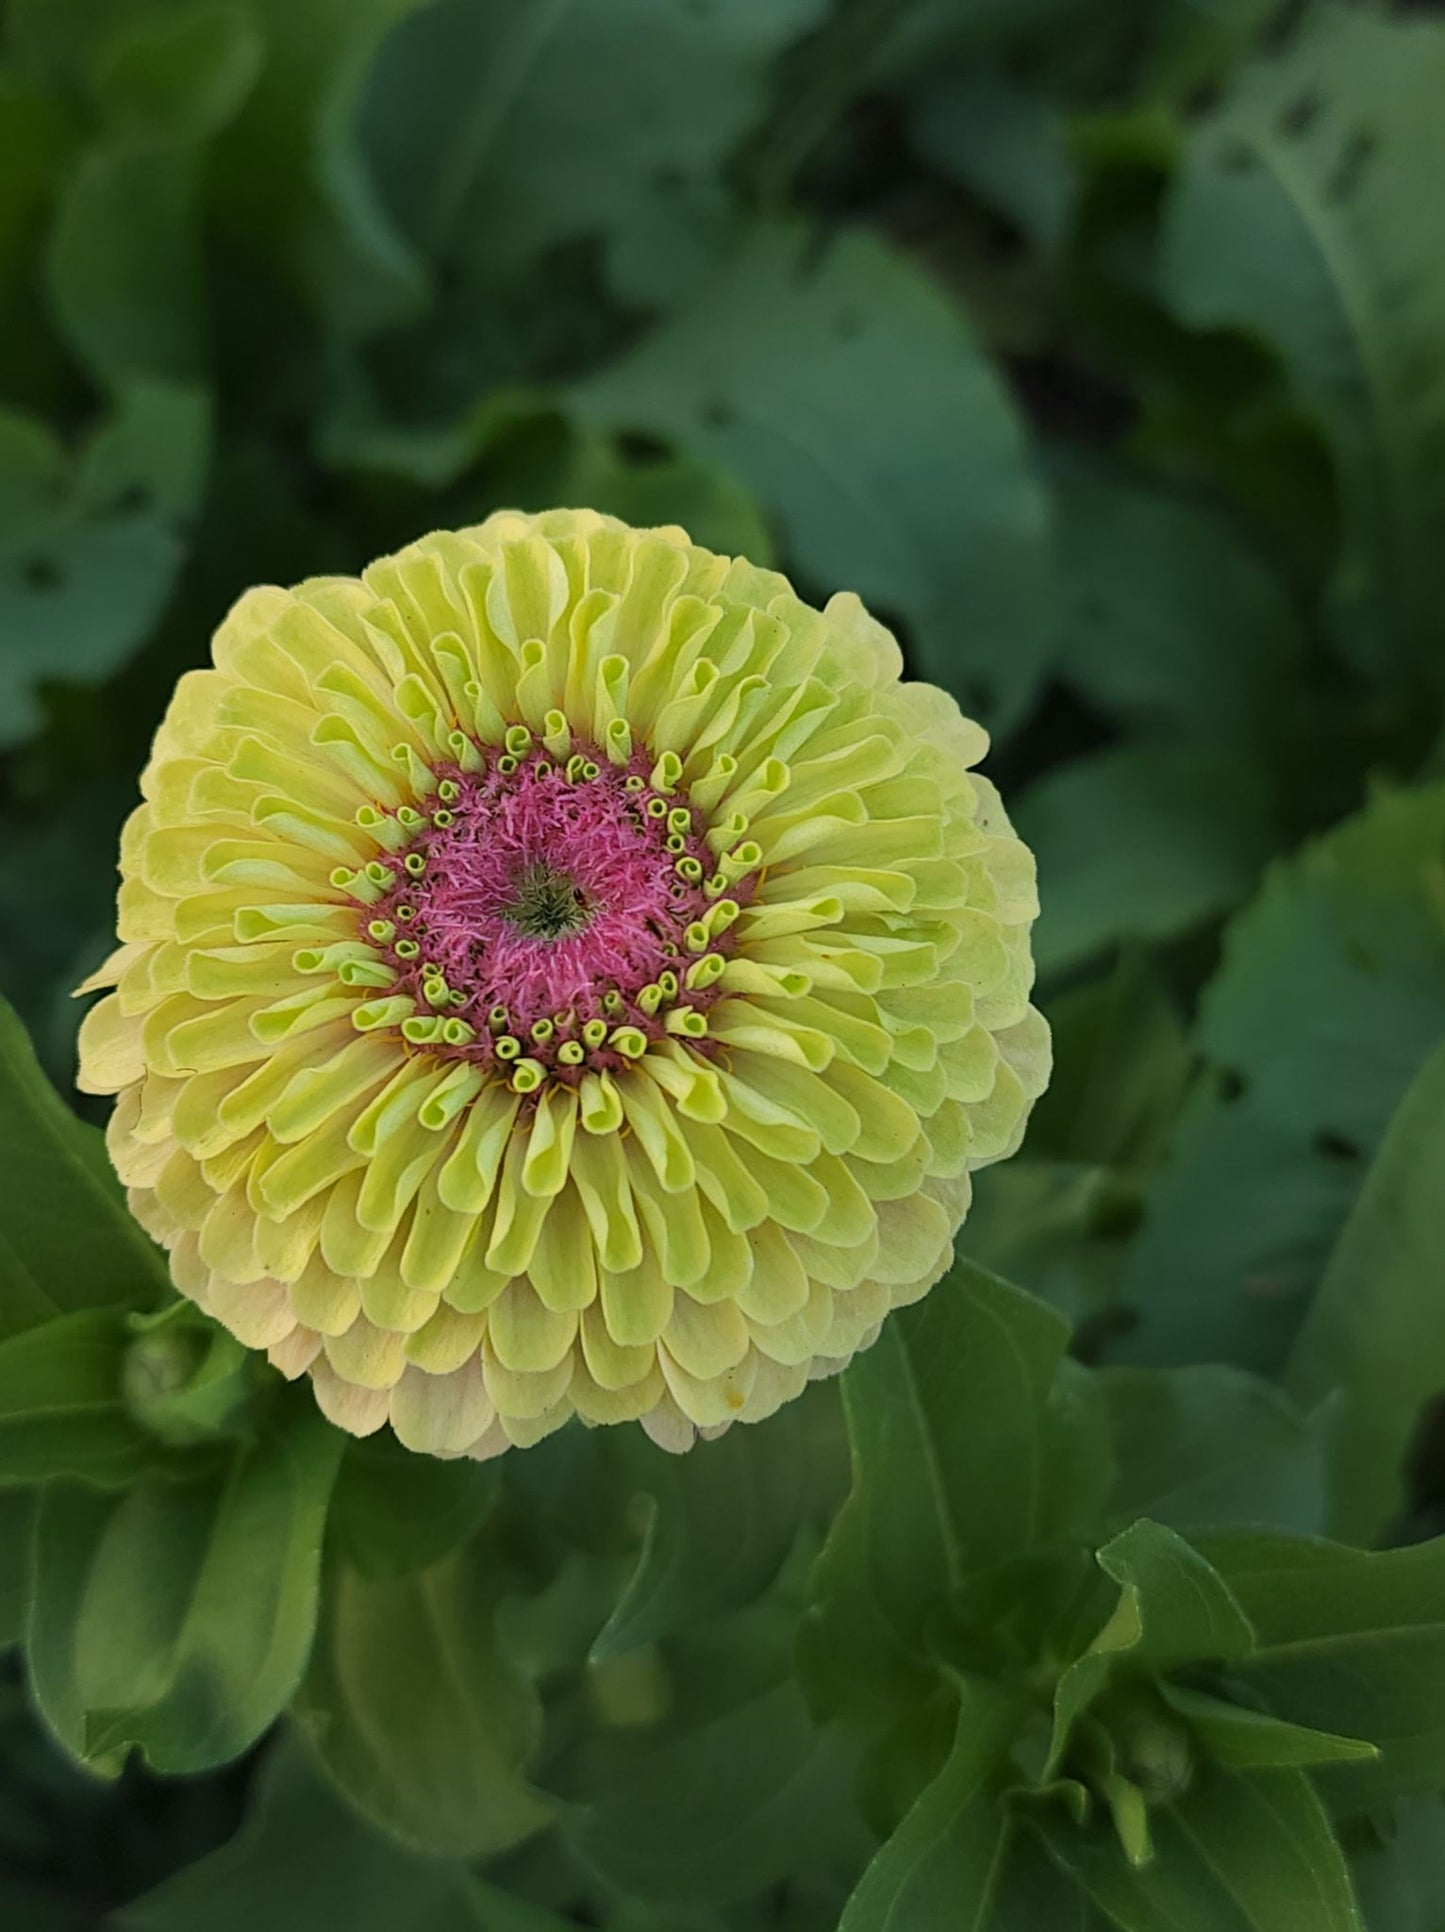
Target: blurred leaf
[(941, 1869), (1349, 1641), (1297, 216), (90, 546), (177, 1617), (734, 1790), (1235, 1854), (964, 1455), (497, 132), (124, 260), (66, 1241), (288, 174), (17, 1525), (1169, 620), (721, 1521), (416, 1714), (1058, 1228), (1142, 842), (394, 1512), (1373, 1333), (851, 399), (1208, 1447), (1121, 1065), (63, 1410), (303, 1859), (1331, 993), (714, 509), (1400, 1869), (979, 127)]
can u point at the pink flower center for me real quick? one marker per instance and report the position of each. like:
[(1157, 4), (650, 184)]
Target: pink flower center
[(549, 906)]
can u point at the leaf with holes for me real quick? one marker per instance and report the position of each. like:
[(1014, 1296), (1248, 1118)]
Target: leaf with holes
[(1297, 215)]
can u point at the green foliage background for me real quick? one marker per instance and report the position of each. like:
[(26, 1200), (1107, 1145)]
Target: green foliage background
[(1100, 345)]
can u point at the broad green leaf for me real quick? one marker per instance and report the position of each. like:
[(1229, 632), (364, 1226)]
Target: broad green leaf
[(733, 1790), (497, 132), (1169, 620), (124, 265), (940, 1870), (1349, 1641), (416, 1714), (850, 398), (1058, 1228), (289, 177), (1142, 842), (66, 1240), (394, 1512), (1005, 144), (1296, 216), (712, 506), (1373, 1334), (959, 1463), (1399, 1868), (177, 1617), (1247, 1740), (1213, 1448), (1121, 1065), (303, 1859), (721, 1521), (63, 1406), (1331, 994), (17, 1525), (1235, 1854), (90, 544)]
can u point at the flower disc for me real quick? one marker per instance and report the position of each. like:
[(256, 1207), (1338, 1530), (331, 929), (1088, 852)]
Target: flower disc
[(561, 973)]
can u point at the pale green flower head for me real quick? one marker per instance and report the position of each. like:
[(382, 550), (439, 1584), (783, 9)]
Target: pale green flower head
[(561, 973)]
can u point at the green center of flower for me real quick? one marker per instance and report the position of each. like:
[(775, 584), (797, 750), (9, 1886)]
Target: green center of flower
[(547, 904)]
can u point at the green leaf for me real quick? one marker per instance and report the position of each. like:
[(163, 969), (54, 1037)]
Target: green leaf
[(1244, 1740), (1187, 1612), (177, 1617), (90, 545), (940, 1871), (1172, 1609), (1400, 1868), (66, 1240), (394, 1512), (1169, 620), (733, 1790), (1121, 1064), (124, 265), (1007, 145), (851, 399), (962, 1459), (1142, 842), (303, 1859), (1296, 216), (416, 1714), (499, 132), (17, 1526), (1235, 1854), (1373, 1333), (63, 1409), (289, 178), (1212, 1448), (721, 1520), (1331, 993), (1349, 1641)]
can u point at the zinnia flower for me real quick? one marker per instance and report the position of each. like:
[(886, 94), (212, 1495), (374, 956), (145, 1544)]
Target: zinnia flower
[(562, 972)]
